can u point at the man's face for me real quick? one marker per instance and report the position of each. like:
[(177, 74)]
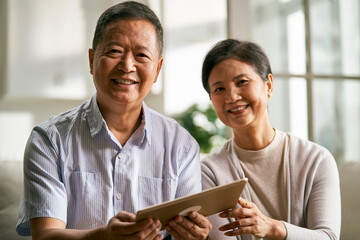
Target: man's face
[(126, 63)]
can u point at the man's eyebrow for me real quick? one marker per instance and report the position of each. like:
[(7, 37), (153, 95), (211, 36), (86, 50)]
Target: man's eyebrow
[(143, 48), (138, 47)]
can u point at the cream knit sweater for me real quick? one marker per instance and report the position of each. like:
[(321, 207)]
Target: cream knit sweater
[(292, 180)]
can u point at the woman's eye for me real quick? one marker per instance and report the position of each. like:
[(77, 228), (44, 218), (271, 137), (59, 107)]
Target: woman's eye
[(218, 89), (241, 82)]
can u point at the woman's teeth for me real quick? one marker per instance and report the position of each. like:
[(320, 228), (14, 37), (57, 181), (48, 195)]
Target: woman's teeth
[(237, 109)]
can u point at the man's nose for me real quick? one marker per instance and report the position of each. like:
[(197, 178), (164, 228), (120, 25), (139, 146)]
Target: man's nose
[(127, 63)]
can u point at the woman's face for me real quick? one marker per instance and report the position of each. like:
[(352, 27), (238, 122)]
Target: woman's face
[(239, 95)]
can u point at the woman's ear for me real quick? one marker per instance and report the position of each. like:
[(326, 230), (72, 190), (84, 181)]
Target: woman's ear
[(269, 84)]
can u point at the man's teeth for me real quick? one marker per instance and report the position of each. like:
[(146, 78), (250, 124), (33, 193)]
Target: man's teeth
[(122, 81), (237, 109)]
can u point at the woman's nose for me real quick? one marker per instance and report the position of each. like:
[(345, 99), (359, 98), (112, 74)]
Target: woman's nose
[(127, 63), (233, 96)]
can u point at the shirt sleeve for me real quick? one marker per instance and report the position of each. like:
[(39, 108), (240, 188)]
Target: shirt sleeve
[(323, 210), (44, 193), (189, 180)]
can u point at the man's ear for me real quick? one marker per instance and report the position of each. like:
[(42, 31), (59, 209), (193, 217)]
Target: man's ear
[(158, 68), (91, 59)]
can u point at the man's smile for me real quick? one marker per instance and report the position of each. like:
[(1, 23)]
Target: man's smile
[(124, 81)]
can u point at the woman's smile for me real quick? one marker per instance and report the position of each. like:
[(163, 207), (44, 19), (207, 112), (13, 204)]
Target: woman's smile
[(238, 109)]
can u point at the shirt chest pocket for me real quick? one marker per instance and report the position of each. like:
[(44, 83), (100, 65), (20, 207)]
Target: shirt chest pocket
[(155, 190), (86, 203)]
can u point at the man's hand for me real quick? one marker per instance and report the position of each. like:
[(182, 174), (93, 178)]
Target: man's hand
[(196, 226), (123, 226)]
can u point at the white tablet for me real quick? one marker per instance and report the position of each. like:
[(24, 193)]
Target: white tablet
[(207, 202)]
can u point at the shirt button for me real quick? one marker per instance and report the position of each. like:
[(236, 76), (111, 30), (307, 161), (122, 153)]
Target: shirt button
[(121, 155), (118, 196)]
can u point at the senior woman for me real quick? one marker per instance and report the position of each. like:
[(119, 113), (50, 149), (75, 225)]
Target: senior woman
[(293, 188)]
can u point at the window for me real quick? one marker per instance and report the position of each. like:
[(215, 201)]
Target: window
[(314, 50), (44, 59)]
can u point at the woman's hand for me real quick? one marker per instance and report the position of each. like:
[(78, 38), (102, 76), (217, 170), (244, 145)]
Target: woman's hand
[(250, 220), (196, 226)]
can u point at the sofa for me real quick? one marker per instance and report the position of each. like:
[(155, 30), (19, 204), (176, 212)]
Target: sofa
[(350, 200), (11, 182)]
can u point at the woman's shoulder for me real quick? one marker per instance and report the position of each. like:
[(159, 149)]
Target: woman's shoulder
[(305, 151), (218, 167), (303, 145), (218, 155)]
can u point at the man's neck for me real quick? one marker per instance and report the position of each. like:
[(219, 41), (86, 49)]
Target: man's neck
[(122, 122)]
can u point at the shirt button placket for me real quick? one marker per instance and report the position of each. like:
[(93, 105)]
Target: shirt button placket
[(118, 183), (118, 196)]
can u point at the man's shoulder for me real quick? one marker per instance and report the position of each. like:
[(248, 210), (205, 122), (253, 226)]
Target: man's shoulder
[(160, 121), (65, 120), (168, 129), (157, 117)]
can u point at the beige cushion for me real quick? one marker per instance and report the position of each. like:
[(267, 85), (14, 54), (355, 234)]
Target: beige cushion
[(350, 200), (11, 184)]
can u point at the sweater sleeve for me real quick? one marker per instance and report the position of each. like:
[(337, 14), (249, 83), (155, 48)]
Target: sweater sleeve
[(323, 207), (209, 180)]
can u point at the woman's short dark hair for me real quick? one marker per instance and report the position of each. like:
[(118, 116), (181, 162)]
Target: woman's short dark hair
[(244, 51), (127, 10)]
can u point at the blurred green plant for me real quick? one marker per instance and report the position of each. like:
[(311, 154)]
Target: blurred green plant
[(204, 125)]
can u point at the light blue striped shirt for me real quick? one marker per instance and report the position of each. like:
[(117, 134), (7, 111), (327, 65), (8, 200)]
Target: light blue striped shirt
[(75, 170)]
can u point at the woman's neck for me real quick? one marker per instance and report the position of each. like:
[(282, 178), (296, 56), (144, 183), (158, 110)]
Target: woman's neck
[(254, 138)]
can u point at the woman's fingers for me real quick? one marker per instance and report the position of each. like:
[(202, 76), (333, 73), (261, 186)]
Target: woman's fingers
[(245, 203)]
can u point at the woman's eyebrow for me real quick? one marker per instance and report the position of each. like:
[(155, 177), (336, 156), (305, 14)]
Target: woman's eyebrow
[(240, 76), (234, 79), (215, 83)]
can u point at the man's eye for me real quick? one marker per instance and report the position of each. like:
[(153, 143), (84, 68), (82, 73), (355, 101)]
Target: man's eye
[(142, 57), (114, 53)]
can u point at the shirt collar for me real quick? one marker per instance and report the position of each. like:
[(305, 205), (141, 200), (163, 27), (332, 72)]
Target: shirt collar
[(97, 122), (94, 117), (147, 123)]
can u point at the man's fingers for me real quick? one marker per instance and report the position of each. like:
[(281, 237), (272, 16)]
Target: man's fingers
[(152, 232), (126, 216), (172, 232), (124, 224), (199, 219), (183, 226)]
